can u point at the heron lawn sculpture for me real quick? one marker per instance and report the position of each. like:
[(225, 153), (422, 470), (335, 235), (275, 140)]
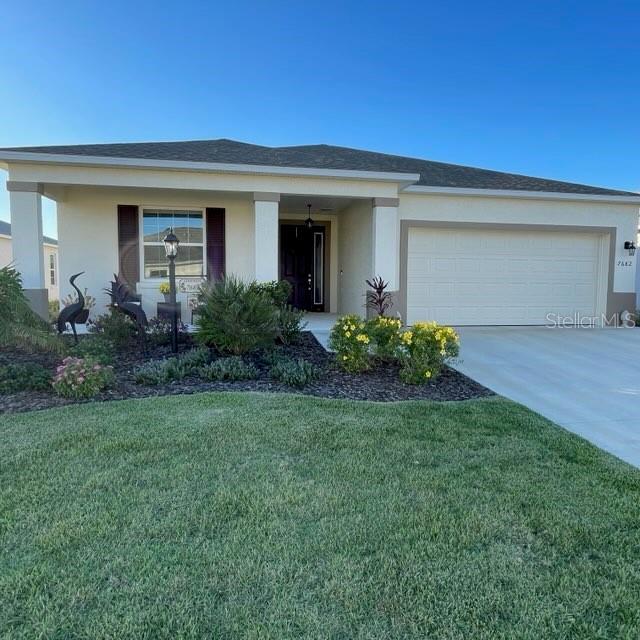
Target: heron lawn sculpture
[(73, 311), (128, 303)]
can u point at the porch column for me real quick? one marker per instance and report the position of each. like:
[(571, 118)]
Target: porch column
[(386, 241), (25, 203), (265, 206)]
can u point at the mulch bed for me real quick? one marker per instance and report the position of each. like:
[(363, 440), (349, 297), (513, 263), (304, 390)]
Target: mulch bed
[(380, 384)]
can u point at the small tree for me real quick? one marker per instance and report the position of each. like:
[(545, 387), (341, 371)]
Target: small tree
[(378, 299)]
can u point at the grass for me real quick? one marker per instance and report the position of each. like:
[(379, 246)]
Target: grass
[(269, 516)]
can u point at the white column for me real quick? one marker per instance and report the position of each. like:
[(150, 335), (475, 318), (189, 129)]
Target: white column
[(266, 236), (386, 241), (25, 202)]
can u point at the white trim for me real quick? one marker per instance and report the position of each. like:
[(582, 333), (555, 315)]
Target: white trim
[(202, 210), (514, 193), (218, 167)]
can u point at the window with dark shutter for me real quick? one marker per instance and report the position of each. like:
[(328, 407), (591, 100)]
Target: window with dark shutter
[(128, 244), (215, 243)]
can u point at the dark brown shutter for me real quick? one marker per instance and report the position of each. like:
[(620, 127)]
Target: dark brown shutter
[(215, 243), (128, 244)]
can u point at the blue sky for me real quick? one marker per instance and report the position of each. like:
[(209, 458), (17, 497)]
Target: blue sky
[(542, 88)]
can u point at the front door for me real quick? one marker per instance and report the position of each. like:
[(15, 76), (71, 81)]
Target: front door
[(302, 264)]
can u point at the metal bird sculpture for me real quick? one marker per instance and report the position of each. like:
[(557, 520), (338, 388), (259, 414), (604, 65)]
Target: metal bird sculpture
[(72, 311), (127, 302)]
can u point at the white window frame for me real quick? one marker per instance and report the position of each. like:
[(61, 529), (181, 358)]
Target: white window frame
[(177, 207), (53, 269)]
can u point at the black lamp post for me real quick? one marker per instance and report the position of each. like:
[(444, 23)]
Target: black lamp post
[(171, 243)]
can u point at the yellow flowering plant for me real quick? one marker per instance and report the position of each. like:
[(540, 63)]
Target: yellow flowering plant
[(425, 348), (350, 340), (385, 334)]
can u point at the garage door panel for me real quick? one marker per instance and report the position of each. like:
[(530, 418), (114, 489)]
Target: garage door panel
[(500, 277)]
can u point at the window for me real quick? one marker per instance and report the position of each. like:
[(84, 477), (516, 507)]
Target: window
[(188, 226), (52, 268)]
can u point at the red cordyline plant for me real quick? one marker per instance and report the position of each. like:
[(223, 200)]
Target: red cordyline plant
[(378, 299)]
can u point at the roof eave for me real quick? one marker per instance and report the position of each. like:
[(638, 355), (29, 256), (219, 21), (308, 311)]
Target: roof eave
[(523, 194), (8, 157)]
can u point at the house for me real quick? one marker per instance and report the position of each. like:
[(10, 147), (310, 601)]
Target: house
[(49, 255), (456, 244)]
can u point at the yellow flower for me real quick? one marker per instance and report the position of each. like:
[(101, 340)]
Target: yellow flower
[(352, 327), (363, 338), (348, 334), (345, 357), (427, 374), (407, 337)]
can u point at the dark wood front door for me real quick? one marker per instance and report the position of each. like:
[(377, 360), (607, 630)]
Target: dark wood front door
[(302, 264)]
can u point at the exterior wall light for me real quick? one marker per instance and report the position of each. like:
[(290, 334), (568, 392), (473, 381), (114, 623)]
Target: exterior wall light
[(630, 247)]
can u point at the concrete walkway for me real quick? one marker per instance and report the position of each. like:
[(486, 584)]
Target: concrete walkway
[(586, 380), (320, 324)]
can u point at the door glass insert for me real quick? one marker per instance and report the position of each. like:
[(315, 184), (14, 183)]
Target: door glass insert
[(318, 267)]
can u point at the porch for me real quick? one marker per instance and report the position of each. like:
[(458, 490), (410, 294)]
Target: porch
[(259, 235)]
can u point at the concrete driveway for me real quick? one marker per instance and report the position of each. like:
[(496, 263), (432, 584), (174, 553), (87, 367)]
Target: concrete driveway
[(586, 380)]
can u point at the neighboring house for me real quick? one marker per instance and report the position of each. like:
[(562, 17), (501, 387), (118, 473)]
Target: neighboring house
[(456, 244), (49, 253)]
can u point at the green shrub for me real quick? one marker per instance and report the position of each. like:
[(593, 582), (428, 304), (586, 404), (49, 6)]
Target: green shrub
[(151, 373), (235, 317), (115, 327), (290, 324), (232, 368), (24, 377), (159, 331), (54, 310), (176, 368), (350, 340), (426, 347), (96, 347), (278, 291), (385, 336), (81, 378), (19, 325), (295, 373)]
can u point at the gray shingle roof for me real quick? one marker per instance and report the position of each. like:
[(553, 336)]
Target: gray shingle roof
[(322, 156), (5, 230)]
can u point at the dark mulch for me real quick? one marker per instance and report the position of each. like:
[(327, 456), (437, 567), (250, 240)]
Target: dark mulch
[(380, 384)]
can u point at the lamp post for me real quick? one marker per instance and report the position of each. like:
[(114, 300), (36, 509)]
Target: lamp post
[(171, 243)]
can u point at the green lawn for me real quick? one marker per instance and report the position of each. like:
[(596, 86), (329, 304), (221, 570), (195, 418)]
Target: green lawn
[(269, 516)]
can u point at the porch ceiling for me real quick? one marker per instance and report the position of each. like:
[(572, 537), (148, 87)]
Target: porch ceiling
[(319, 204)]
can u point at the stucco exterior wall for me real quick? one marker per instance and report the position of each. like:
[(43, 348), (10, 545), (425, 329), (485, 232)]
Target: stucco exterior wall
[(88, 236), (355, 256), (5, 251), (623, 217)]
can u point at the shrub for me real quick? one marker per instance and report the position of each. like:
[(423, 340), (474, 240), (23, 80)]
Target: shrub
[(151, 373), (114, 326), (232, 368), (54, 310), (378, 299), (278, 291), (350, 340), (426, 347), (385, 336), (295, 373), (290, 324), (20, 326), (176, 368), (81, 378), (159, 331), (235, 317), (96, 347), (24, 377)]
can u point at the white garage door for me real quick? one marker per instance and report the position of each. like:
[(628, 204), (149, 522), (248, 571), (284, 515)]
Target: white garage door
[(500, 277)]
